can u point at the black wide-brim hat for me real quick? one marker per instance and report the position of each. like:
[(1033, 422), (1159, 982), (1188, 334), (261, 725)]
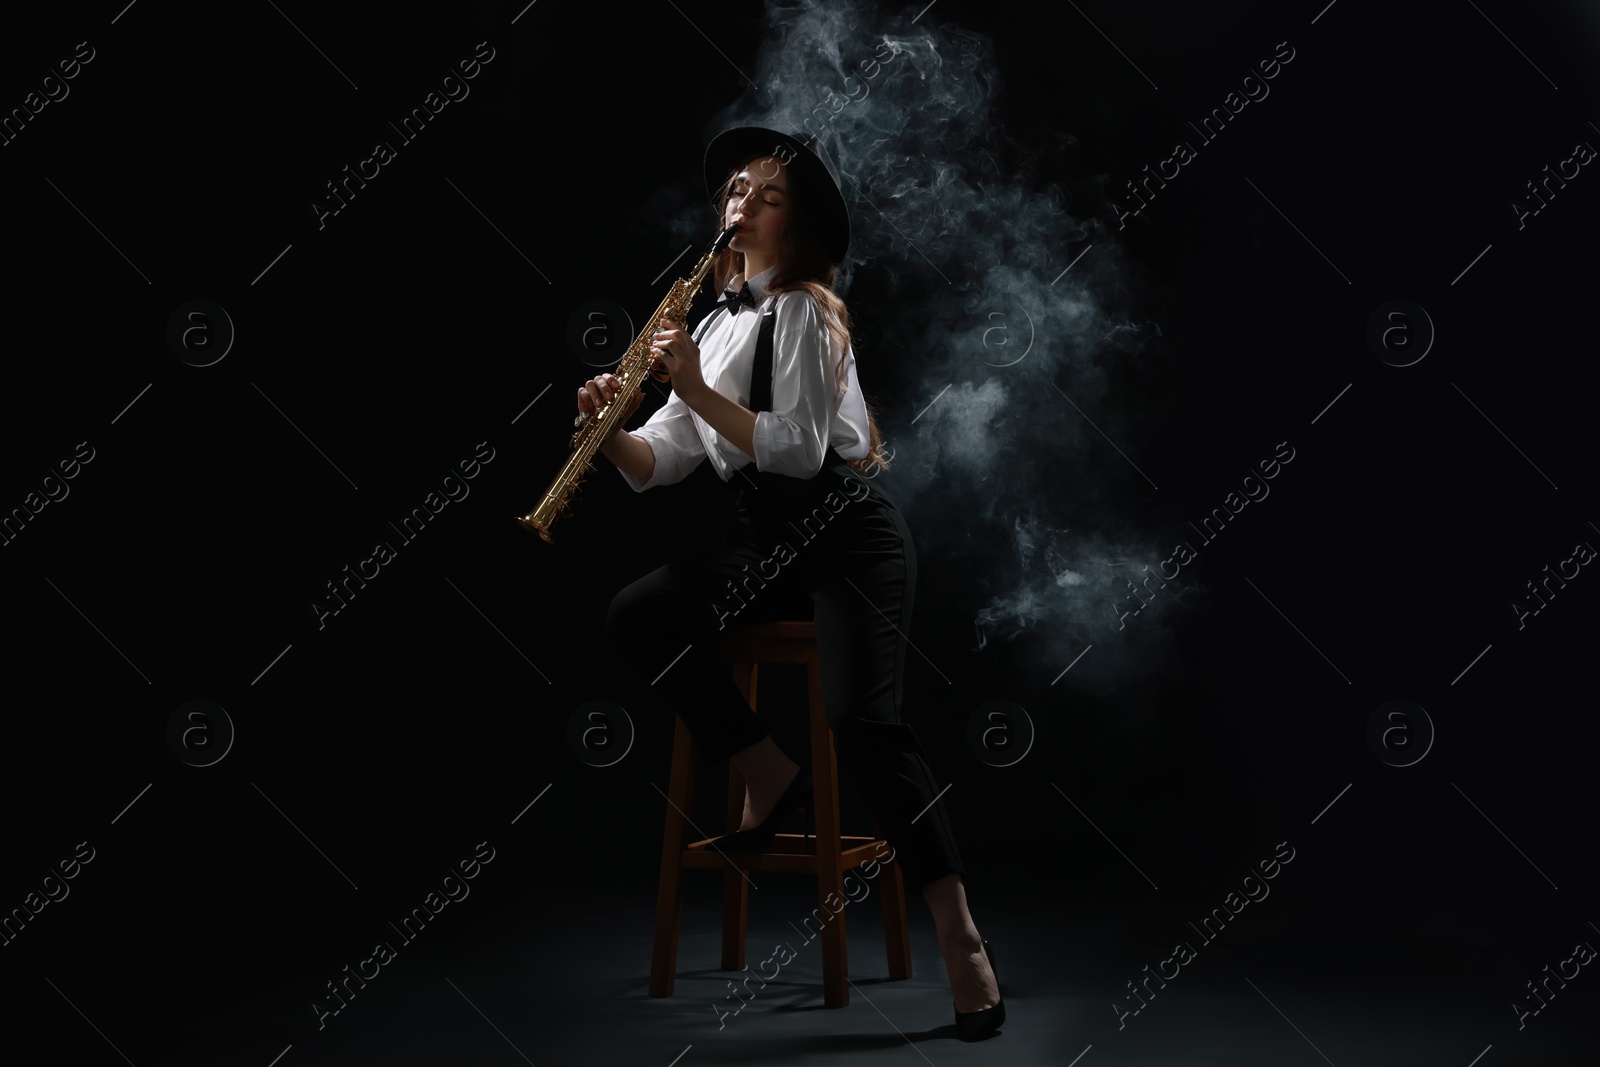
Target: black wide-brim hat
[(805, 153)]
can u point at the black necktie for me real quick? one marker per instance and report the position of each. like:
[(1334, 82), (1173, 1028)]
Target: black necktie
[(731, 300)]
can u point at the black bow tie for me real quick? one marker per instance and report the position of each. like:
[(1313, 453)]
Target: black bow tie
[(731, 300)]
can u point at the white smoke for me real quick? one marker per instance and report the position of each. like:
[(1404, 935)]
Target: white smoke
[(966, 254)]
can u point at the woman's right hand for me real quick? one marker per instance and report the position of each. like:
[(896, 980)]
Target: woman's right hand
[(599, 391)]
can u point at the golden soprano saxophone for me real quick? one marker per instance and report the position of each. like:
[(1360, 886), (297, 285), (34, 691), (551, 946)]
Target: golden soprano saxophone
[(636, 364)]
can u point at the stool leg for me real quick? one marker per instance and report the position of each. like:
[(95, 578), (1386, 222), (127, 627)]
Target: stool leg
[(669, 895), (735, 886), (830, 875), (896, 934)]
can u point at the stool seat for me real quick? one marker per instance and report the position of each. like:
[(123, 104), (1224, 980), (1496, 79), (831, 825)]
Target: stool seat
[(827, 855)]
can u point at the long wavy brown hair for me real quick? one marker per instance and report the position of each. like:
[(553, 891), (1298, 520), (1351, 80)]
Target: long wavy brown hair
[(803, 265)]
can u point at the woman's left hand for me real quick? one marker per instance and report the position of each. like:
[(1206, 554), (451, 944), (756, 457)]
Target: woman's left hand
[(681, 356)]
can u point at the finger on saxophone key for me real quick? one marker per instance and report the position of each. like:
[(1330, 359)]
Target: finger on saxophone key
[(591, 397)]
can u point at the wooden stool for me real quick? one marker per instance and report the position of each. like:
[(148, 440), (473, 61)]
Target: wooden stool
[(828, 855)]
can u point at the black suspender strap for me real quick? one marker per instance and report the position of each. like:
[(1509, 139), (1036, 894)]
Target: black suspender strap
[(761, 369)]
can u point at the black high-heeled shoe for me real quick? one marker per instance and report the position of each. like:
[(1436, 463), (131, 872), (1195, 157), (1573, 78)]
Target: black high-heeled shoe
[(972, 1025), (798, 795)]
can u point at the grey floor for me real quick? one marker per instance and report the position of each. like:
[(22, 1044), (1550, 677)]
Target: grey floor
[(565, 983)]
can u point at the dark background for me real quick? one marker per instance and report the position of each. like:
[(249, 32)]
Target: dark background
[(407, 330)]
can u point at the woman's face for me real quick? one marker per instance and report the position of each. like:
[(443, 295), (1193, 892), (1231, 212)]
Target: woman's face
[(759, 202)]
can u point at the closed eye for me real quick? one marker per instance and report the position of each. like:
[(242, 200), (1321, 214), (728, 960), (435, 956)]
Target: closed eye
[(772, 203)]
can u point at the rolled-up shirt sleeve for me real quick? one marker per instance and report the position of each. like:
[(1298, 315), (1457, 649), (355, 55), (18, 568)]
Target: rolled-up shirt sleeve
[(671, 435), (791, 438)]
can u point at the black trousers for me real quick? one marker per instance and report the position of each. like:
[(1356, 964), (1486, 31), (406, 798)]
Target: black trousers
[(833, 548)]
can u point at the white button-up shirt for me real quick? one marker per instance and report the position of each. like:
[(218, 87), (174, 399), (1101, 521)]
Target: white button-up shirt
[(791, 438)]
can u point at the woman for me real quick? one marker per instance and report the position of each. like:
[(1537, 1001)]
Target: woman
[(766, 388)]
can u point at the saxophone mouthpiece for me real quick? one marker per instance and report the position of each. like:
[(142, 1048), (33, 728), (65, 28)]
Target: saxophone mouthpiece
[(722, 242)]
